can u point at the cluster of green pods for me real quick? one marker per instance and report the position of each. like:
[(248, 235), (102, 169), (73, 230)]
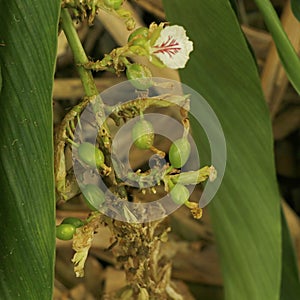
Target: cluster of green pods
[(179, 153), (93, 197), (67, 228), (143, 138)]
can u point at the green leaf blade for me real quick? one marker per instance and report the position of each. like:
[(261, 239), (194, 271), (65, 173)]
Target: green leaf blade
[(295, 4), (29, 37), (290, 284), (246, 211)]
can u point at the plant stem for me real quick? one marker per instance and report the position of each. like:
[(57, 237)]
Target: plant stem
[(80, 57), (87, 80), (138, 253)]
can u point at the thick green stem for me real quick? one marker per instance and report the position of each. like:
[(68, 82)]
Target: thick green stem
[(87, 80), (80, 57)]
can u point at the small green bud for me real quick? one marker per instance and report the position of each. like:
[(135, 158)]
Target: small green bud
[(93, 196), (155, 32), (73, 221), (114, 4), (90, 155), (65, 232), (141, 42), (139, 33), (179, 194), (143, 134), (139, 75), (139, 50), (130, 23), (124, 14), (179, 152)]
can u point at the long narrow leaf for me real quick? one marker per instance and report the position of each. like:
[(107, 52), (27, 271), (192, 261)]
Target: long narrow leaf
[(287, 54), (246, 210), (27, 55), (290, 285), (295, 4)]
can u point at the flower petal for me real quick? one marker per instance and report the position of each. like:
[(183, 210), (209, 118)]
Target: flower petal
[(173, 47)]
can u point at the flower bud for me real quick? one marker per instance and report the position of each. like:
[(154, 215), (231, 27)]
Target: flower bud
[(114, 4), (139, 75), (73, 221), (127, 16), (139, 33), (143, 134), (139, 50), (93, 196), (179, 152), (90, 155), (65, 232), (179, 194)]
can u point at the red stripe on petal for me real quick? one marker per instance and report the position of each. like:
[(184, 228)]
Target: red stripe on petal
[(170, 47)]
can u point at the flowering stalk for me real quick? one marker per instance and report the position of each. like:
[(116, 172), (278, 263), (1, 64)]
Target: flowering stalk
[(80, 57), (137, 245)]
